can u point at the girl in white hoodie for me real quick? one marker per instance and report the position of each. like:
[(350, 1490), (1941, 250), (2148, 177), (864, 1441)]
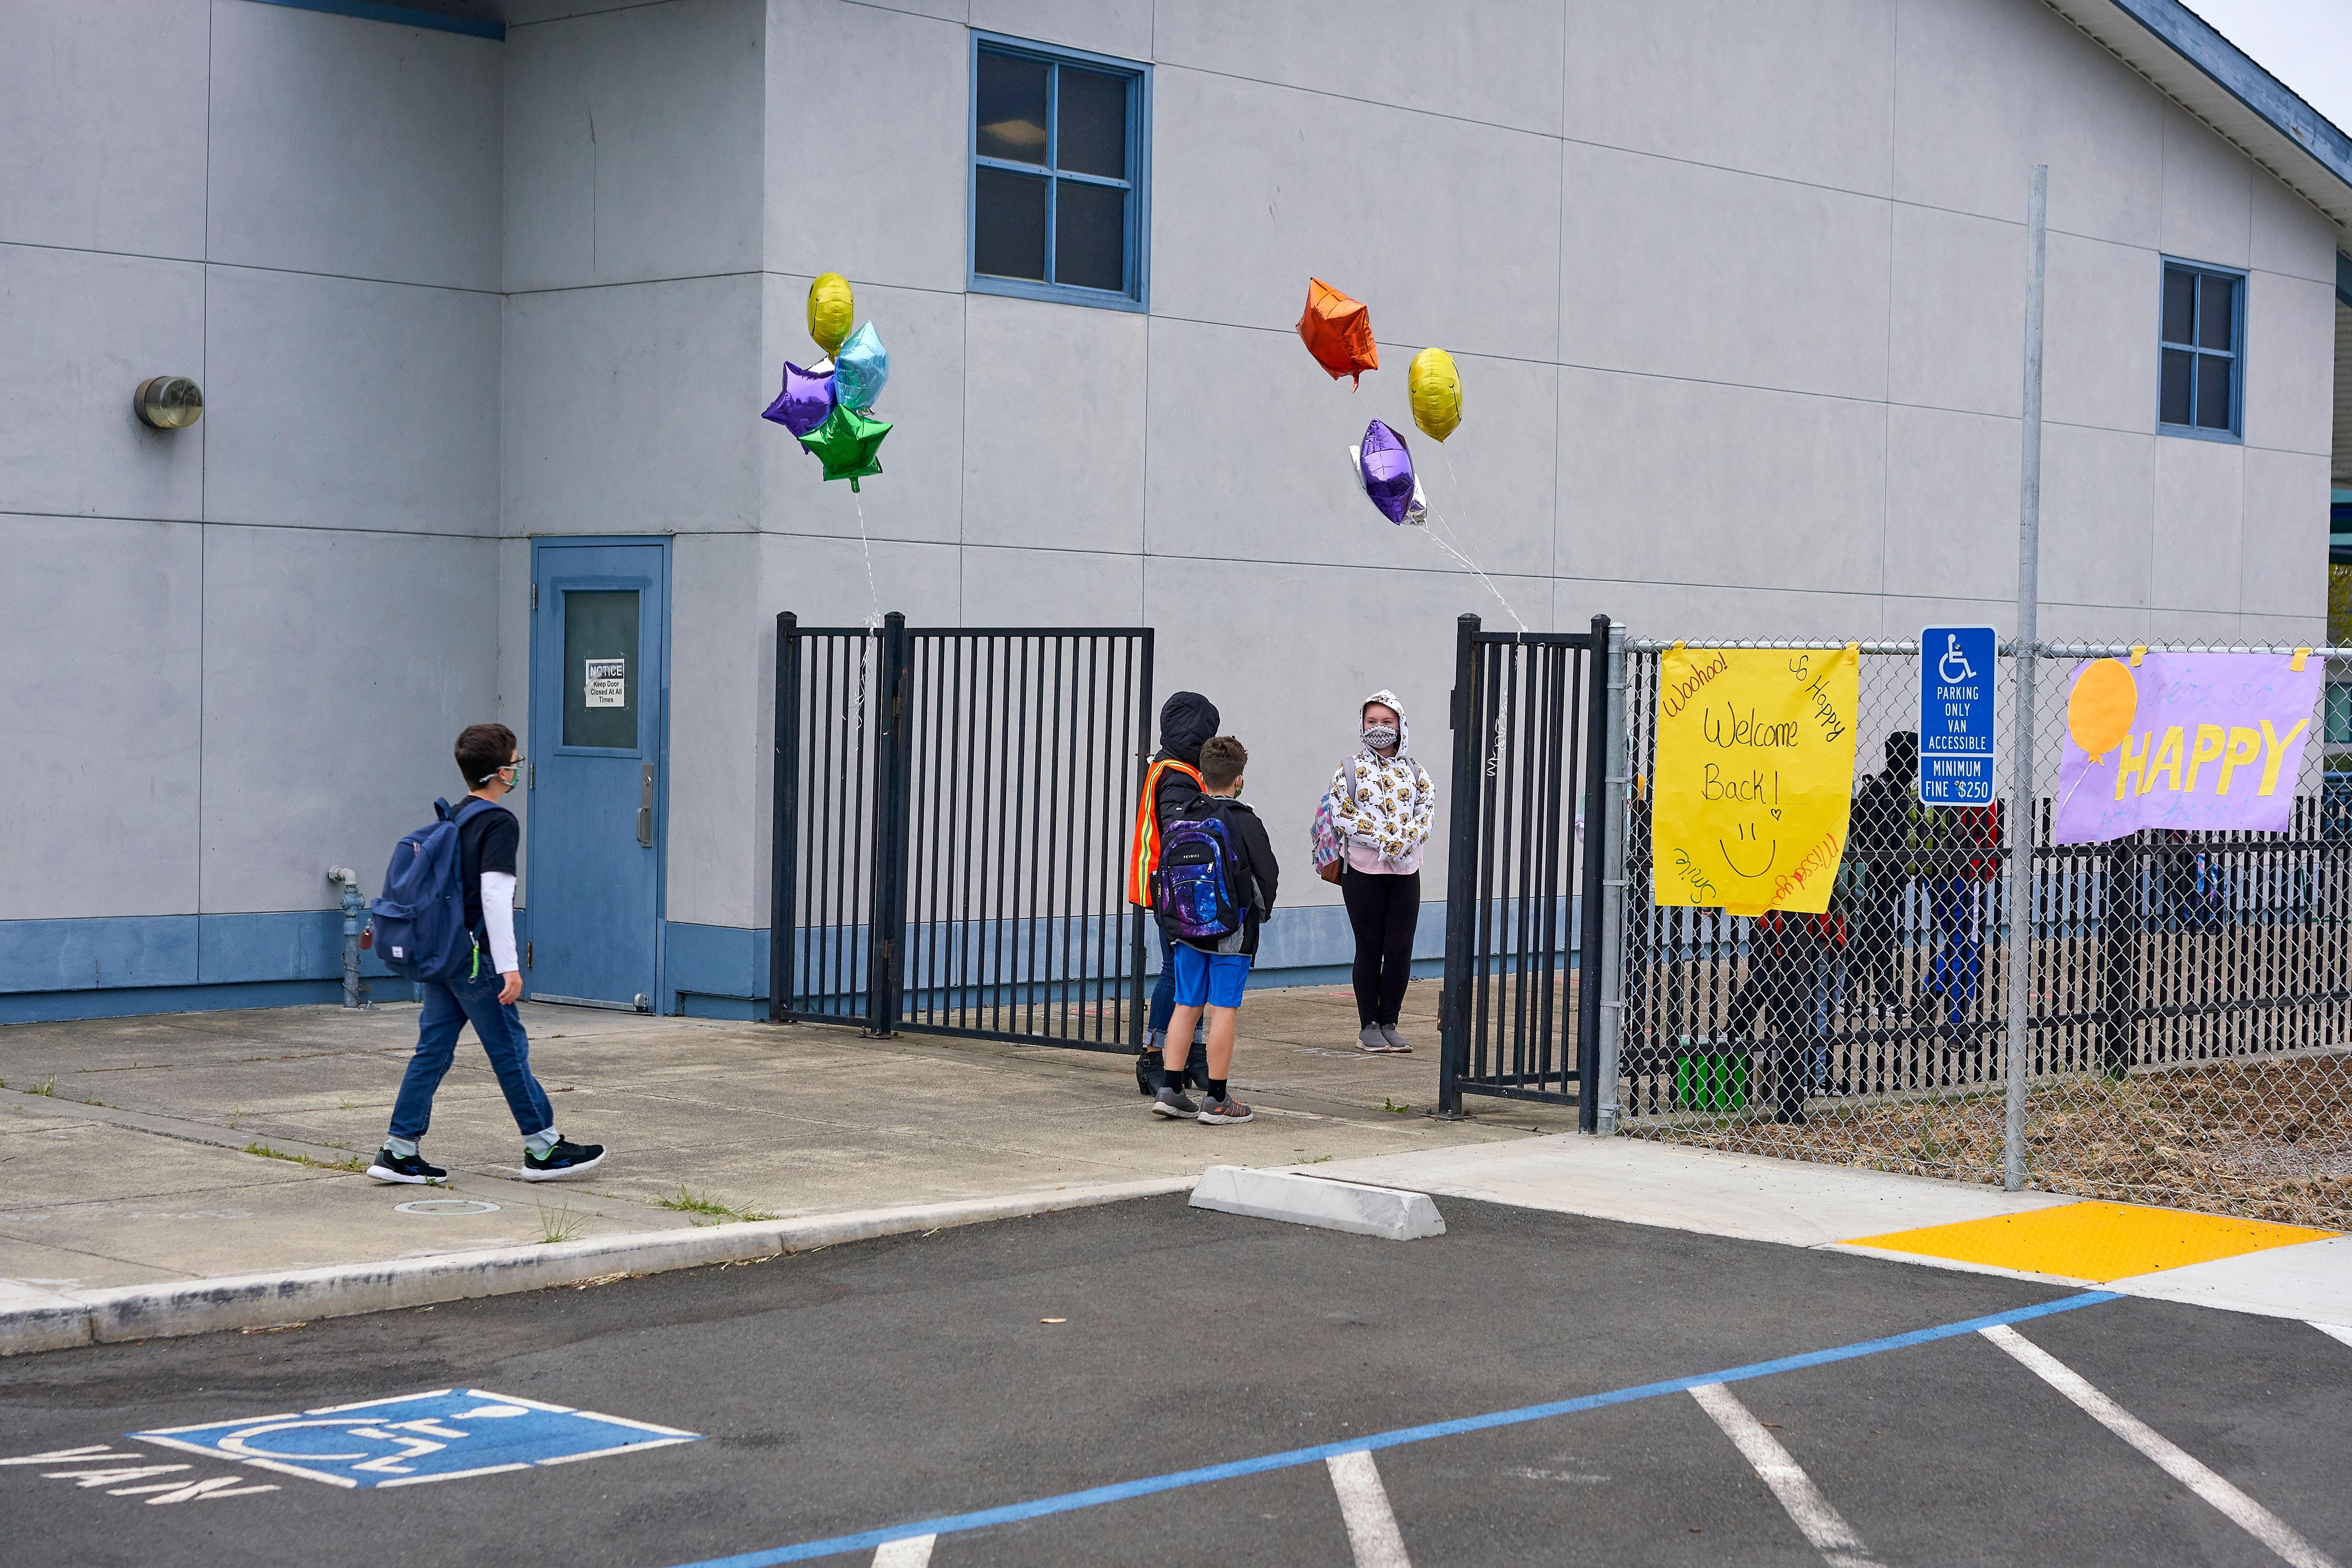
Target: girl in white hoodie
[(1383, 803)]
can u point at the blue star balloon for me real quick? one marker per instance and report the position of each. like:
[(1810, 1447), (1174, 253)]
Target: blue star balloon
[(860, 369)]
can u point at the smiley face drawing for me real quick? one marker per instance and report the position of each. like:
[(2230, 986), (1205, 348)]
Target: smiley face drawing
[(1746, 837)]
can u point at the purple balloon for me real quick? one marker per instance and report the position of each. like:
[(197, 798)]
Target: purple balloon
[(1388, 471), (805, 402)]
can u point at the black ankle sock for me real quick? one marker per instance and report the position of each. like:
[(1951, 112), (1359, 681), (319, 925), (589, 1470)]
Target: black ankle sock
[(1171, 1077), (1216, 1088)]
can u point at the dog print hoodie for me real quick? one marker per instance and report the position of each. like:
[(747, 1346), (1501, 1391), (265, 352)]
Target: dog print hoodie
[(1386, 817)]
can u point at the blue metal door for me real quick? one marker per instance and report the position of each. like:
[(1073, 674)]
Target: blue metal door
[(600, 636)]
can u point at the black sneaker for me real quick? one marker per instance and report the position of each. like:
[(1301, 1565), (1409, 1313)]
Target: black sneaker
[(409, 1168), (566, 1159), (1171, 1102)]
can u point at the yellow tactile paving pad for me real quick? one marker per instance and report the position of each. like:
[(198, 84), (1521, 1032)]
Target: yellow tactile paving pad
[(2094, 1241)]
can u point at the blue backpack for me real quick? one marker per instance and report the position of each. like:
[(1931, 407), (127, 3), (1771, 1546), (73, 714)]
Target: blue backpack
[(1196, 888), (419, 925)]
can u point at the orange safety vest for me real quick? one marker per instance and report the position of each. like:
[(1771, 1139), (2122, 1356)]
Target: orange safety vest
[(1143, 850)]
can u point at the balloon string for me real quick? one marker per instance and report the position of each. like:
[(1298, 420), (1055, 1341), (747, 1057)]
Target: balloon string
[(1456, 481), (873, 615), (1472, 566)]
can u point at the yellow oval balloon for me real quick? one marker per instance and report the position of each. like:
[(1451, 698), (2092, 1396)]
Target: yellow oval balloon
[(1436, 391), (832, 311), (2100, 710)]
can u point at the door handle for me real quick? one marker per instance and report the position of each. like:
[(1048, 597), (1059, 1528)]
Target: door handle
[(646, 810)]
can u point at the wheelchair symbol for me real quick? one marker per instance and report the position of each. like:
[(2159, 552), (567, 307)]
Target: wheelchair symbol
[(1953, 656)]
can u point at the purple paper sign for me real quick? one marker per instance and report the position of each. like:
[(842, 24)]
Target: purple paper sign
[(804, 402), (2188, 741)]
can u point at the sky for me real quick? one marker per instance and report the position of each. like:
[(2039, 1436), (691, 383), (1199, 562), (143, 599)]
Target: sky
[(2306, 44)]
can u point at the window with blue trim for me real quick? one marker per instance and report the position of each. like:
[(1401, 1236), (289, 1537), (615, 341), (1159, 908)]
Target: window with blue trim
[(2202, 382), (1059, 164)]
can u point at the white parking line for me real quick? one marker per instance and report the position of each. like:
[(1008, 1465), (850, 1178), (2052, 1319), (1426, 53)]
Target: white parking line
[(2333, 1333), (1826, 1528), (1364, 1504), (2249, 1515), (914, 1552)]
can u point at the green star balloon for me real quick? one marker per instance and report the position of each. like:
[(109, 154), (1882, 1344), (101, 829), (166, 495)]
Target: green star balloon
[(847, 443)]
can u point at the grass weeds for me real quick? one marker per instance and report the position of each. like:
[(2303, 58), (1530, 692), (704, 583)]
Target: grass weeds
[(708, 1210), (353, 1163)]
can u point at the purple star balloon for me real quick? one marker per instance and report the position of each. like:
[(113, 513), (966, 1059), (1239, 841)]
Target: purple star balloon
[(805, 402), (1387, 470)]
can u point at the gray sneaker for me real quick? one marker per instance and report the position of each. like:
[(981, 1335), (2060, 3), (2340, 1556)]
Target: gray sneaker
[(1172, 1102), (1398, 1044), (1227, 1109), (1372, 1041)]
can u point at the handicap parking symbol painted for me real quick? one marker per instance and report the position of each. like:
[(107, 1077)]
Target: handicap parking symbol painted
[(435, 1436)]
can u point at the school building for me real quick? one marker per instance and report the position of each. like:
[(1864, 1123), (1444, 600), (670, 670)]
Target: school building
[(483, 299)]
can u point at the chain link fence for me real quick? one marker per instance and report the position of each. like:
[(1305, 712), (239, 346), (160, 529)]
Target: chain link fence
[(2189, 997)]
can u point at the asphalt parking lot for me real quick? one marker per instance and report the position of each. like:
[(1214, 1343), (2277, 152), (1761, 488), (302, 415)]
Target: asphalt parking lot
[(1151, 1383)]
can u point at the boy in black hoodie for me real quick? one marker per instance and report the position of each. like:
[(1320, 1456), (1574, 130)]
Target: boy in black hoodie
[(1213, 978), (1173, 783)]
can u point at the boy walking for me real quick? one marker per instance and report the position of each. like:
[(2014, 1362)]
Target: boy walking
[(1219, 871), (485, 995)]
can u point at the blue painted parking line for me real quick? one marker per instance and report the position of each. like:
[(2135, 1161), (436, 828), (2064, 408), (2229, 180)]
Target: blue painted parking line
[(1095, 1497), (433, 1437)]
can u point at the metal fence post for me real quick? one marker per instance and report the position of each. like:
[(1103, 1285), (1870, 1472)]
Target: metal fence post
[(1460, 872), (885, 915), (1590, 841), (2021, 795), (783, 829), (1616, 769), (1138, 991)]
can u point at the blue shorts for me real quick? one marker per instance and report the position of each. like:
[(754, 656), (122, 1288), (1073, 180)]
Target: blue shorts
[(1210, 979)]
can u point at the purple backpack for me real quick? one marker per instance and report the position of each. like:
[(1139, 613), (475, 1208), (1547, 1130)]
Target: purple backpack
[(1195, 888)]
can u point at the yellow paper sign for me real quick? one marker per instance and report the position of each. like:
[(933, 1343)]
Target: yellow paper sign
[(1755, 777)]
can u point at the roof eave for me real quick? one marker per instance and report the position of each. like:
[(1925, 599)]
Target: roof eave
[(2186, 60)]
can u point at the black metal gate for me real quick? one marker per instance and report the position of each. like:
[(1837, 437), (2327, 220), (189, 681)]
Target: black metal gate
[(1521, 1019), (951, 810)]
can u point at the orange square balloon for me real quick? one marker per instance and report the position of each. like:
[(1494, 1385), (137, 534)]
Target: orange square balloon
[(1338, 331)]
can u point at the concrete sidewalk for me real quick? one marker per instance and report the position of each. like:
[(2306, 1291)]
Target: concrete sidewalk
[(163, 1150), (2252, 1266)]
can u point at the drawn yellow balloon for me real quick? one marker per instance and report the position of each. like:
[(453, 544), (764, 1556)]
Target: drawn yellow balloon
[(2100, 710), (832, 311), (1436, 393)]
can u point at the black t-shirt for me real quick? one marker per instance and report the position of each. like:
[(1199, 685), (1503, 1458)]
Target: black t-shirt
[(487, 841)]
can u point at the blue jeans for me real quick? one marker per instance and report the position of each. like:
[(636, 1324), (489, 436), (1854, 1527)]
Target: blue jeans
[(449, 1006), (1163, 992), (1959, 945)]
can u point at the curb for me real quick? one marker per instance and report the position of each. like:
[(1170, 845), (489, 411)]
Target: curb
[(118, 1313)]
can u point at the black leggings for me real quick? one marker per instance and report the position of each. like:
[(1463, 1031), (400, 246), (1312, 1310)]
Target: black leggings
[(1383, 910)]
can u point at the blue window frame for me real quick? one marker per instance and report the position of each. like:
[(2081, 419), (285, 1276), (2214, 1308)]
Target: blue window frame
[(1059, 203), (2202, 382)]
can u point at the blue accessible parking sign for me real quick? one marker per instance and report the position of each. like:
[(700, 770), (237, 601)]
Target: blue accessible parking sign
[(435, 1436), (1956, 706)]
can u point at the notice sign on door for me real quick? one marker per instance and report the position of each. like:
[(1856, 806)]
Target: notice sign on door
[(608, 683), (1956, 690)]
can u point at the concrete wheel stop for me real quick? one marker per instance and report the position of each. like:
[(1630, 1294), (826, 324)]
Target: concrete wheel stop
[(1321, 1201)]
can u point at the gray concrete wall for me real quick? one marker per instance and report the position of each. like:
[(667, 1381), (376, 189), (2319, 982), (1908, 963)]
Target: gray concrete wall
[(1734, 289), (239, 650)]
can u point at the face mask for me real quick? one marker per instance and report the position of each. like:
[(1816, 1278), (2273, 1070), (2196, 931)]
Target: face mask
[(1381, 737)]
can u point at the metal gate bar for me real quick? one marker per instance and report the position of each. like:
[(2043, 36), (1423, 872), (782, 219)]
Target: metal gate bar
[(951, 808), (1530, 719)]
